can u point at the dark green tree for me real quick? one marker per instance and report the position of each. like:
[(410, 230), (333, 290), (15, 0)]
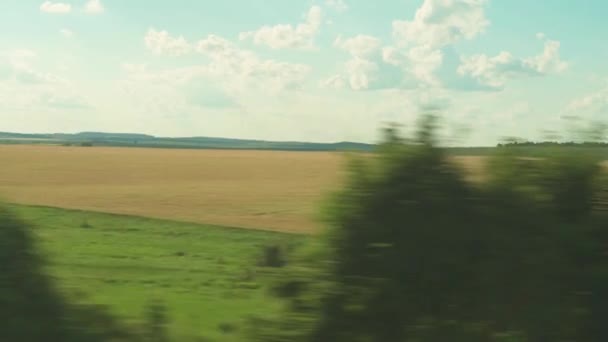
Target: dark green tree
[(414, 252), (31, 309)]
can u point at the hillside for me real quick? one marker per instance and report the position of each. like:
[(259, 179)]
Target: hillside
[(143, 140)]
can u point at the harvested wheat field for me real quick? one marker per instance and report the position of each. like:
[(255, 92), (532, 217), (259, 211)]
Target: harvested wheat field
[(251, 189)]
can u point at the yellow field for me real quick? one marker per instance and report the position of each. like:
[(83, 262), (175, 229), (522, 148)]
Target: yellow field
[(252, 189)]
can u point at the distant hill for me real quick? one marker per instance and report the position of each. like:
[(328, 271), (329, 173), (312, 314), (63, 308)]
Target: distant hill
[(144, 140)]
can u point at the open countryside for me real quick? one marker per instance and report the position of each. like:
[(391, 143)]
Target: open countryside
[(271, 190), (303, 171)]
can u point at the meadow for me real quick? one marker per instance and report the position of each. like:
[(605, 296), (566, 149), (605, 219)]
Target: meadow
[(205, 275)]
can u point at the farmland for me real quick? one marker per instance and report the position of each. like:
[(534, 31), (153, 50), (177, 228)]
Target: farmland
[(270, 190), (254, 189), (120, 227)]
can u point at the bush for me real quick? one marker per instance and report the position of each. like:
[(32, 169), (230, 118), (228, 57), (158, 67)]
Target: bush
[(31, 309), (156, 321), (413, 252), (272, 256)]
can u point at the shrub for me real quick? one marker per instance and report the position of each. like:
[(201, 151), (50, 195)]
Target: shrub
[(31, 309), (413, 252), (273, 255)]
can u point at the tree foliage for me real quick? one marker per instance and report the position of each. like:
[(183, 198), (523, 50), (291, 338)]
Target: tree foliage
[(414, 252), (31, 308)]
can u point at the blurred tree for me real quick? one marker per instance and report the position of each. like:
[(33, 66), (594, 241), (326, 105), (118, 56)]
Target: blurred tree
[(31, 309), (413, 252)]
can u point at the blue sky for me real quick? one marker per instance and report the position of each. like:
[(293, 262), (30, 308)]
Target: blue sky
[(311, 70)]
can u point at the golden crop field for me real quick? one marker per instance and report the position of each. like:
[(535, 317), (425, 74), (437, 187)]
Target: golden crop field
[(250, 189)]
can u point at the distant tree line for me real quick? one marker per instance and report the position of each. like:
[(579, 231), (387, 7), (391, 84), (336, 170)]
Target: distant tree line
[(552, 144)]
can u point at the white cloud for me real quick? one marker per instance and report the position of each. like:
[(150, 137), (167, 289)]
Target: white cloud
[(245, 69), (362, 73), (595, 104), (94, 7), (359, 46), (496, 71), (237, 69), (285, 36), (549, 61), (424, 62), (162, 43), (436, 25), (370, 67), (67, 33), (55, 7), (393, 56), (338, 5), (541, 36)]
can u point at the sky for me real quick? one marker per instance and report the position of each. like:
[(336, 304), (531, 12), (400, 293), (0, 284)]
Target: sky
[(306, 70)]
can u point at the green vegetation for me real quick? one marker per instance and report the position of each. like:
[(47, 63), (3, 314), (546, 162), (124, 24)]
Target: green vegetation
[(206, 278), (31, 307), (413, 252)]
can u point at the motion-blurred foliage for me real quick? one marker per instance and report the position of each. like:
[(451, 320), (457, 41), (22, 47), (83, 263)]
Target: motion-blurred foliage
[(413, 252), (31, 309)]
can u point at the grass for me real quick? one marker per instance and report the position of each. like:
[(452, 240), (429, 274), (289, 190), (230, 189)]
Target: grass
[(206, 275)]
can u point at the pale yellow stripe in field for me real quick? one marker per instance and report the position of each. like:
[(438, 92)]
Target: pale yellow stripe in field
[(253, 189), (250, 189)]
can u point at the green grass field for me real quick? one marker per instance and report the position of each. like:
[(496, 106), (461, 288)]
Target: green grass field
[(205, 275)]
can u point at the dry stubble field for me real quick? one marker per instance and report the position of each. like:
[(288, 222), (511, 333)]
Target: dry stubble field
[(250, 189)]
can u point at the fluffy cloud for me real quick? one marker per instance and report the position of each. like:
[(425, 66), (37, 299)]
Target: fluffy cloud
[(359, 46), (424, 62), (55, 7), (236, 69), (162, 43), (371, 67), (362, 73), (338, 5), (94, 7), (549, 60), (496, 71), (436, 25), (246, 69), (284, 36)]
